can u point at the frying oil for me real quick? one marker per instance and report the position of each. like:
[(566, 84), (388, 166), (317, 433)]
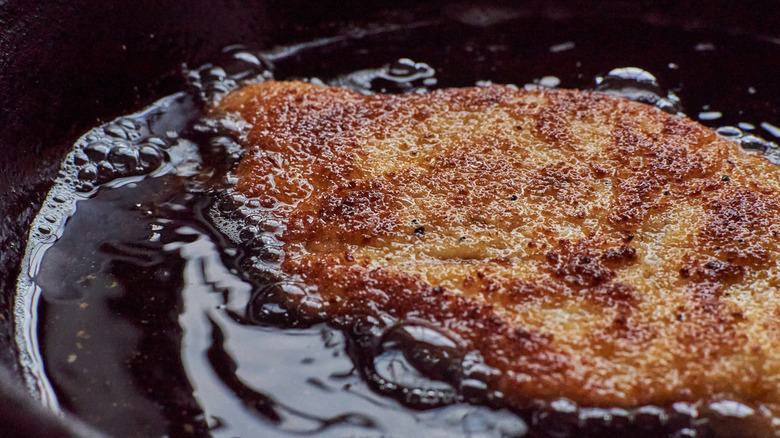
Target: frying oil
[(149, 304)]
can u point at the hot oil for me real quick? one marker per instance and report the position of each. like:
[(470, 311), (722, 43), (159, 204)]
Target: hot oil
[(154, 307)]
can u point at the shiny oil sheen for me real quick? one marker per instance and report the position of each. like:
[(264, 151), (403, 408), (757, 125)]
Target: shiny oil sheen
[(141, 308)]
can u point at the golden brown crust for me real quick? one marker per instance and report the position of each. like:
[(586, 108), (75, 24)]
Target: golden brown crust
[(587, 246)]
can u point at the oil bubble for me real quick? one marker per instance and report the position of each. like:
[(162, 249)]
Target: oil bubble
[(650, 417), (116, 131), (395, 374), (754, 144), (771, 129), (594, 420), (431, 352), (157, 141), (80, 159), (275, 305), (731, 418), (560, 420), (473, 390), (419, 365), (85, 187), (128, 124), (228, 204), (215, 74), (729, 132), (97, 151), (686, 433), (549, 81), (123, 158), (621, 418), (248, 234), (150, 157), (105, 171), (247, 57), (88, 173), (729, 408)]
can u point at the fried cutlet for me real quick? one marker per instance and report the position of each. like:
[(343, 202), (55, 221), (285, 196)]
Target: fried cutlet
[(586, 246)]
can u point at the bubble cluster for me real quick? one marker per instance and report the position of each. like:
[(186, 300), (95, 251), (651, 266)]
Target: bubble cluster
[(751, 142), (401, 76), (115, 153), (638, 85), (219, 139), (237, 66), (119, 149), (424, 367), (420, 365)]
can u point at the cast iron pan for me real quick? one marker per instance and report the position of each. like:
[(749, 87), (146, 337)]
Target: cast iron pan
[(66, 66)]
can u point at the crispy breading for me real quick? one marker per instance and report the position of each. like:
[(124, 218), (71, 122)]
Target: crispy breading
[(587, 246)]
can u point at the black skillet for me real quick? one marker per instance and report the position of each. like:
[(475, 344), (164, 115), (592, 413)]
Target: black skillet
[(66, 66)]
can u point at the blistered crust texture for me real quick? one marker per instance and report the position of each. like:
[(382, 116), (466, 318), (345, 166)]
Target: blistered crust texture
[(587, 246)]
